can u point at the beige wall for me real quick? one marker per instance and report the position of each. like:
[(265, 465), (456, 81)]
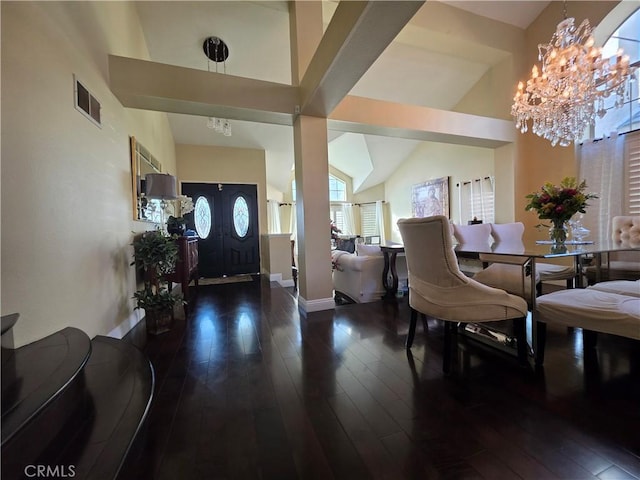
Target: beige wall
[(429, 161), (520, 168), (537, 161), (66, 184)]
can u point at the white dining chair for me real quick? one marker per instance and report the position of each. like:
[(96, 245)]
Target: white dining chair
[(507, 272), (512, 273), (439, 289)]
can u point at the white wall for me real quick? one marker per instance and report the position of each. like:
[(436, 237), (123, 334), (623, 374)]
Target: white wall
[(66, 184), (430, 161)]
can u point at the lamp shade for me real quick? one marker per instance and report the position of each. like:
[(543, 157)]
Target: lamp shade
[(160, 185)]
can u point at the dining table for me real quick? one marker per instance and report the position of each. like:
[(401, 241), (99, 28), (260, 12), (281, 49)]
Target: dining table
[(583, 253)]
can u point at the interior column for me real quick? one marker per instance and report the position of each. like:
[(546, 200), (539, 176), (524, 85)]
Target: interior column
[(315, 287)]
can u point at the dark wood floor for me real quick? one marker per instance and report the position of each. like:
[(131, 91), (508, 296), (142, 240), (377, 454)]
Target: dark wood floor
[(246, 389)]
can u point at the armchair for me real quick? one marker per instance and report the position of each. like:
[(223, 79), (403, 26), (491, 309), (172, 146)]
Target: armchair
[(439, 289)]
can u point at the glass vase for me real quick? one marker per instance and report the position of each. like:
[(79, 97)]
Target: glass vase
[(558, 232)]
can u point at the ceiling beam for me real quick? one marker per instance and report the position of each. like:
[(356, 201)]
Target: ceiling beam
[(356, 36), (168, 88), (377, 117)]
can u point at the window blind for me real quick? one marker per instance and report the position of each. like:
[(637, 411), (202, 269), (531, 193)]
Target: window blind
[(632, 176), (368, 220), (477, 200)]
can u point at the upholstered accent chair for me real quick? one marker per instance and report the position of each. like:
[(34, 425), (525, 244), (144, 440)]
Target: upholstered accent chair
[(439, 289), (621, 265)]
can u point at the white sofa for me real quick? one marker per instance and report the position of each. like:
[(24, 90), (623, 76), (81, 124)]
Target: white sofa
[(357, 277)]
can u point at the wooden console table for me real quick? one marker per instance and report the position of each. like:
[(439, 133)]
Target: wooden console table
[(186, 267)]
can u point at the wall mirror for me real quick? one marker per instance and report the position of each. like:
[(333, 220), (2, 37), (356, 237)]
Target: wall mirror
[(142, 162)]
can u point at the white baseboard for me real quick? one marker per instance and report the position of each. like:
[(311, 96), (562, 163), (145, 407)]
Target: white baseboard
[(275, 277), (307, 306), (125, 327)]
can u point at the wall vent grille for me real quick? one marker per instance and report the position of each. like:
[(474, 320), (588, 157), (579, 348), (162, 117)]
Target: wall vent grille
[(86, 103)]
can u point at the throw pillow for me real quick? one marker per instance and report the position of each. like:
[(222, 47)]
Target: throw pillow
[(363, 250)]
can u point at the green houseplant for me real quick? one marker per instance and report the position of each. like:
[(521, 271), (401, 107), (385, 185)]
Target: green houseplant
[(156, 254)]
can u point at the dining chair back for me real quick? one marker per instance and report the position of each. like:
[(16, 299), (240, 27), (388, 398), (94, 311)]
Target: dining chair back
[(439, 289)]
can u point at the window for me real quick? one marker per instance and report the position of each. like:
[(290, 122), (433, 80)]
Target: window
[(337, 190), (368, 220), (241, 217), (477, 200), (337, 193), (627, 118), (202, 217), (632, 173), (337, 215)]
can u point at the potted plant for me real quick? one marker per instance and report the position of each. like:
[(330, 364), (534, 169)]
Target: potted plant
[(176, 224), (156, 254)]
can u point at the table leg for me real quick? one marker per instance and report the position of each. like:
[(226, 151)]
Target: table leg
[(532, 305), (390, 264)]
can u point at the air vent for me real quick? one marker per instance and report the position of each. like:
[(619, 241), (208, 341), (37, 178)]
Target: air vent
[(86, 103)]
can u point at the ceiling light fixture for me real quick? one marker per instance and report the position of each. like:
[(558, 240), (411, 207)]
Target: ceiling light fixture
[(217, 51), (564, 96)]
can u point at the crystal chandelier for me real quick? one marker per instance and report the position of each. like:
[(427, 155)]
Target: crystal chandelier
[(565, 95), (217, 51)]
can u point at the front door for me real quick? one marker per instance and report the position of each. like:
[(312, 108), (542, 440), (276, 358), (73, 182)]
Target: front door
[(226, 220)]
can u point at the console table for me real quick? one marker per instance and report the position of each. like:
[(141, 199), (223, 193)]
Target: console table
[(186, 267)]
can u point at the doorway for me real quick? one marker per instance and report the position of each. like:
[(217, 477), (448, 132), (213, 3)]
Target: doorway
[(226, 220)]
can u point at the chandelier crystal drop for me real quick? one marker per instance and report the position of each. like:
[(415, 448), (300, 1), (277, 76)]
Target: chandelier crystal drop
[(563, 97)]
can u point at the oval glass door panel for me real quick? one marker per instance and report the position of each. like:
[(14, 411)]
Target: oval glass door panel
[(241, 216), (202, 217)]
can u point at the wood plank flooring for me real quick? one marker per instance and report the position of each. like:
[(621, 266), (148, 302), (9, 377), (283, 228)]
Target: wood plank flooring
[(247, 389)]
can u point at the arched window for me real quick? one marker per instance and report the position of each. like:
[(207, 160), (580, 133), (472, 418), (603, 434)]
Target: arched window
[(337, 190), (627, 118)]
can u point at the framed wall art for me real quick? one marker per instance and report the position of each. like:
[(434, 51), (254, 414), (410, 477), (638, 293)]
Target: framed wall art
[(430, 198)]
